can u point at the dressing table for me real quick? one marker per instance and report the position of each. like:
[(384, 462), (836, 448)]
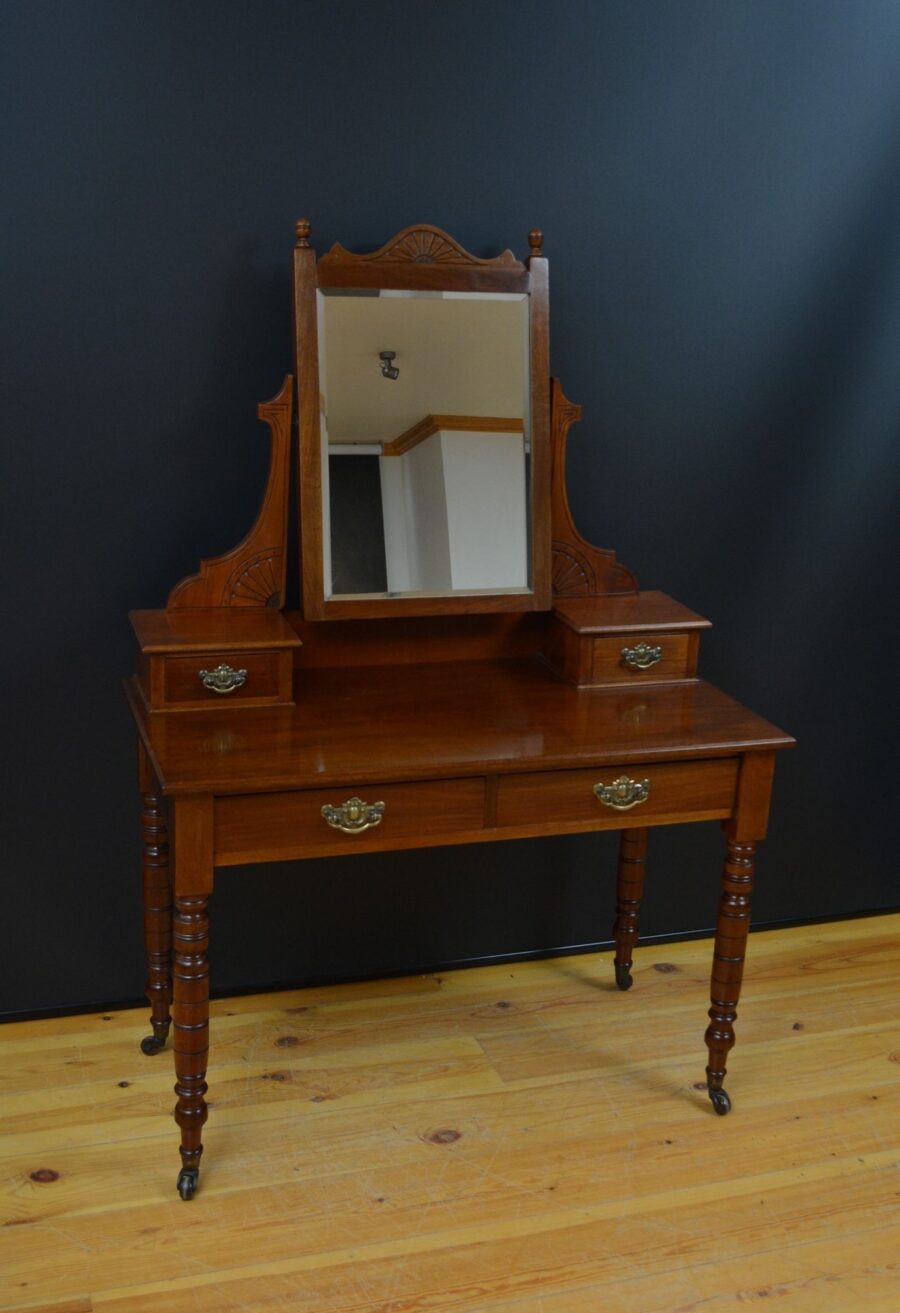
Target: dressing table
[(464, 666)]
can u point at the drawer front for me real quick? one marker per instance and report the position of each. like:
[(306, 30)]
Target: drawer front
[(685, 791), (642, 658), (266, 827), (183, 686)]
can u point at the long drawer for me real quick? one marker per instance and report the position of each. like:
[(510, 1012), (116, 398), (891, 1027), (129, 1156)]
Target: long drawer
[(611, 797), (265, 827)]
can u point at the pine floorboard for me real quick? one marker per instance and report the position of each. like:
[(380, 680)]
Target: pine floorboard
[(491, 1140)]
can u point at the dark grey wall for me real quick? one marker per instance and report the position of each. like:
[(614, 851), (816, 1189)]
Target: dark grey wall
[(719, 190)]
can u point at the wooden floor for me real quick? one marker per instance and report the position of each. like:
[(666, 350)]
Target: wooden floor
[(516, 1138)]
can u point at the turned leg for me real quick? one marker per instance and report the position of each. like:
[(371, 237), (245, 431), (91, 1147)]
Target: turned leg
[(191, 1042), (629, 892), (728, 965), (157, 892)]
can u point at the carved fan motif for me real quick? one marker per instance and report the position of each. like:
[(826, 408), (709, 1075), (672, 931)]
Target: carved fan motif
[(423, 244), (255, 582), (424, 247), (572, 575)]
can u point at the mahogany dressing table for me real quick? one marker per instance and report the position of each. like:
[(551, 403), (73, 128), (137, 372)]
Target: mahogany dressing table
[(465, 667)]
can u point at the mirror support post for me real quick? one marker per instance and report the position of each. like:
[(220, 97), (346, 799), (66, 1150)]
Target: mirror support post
[(309, 466)]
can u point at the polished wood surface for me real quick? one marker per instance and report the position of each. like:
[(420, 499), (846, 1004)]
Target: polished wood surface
[(156, 885), (483, 1141), (381, 723), (190, 975), (399, 262), (608, 665), (268, 678), (269, 827), (417, 640), (586, 637), (728, 964), (451, 753), (422, 258), (309, 449), (629, 897), (430, 720), (252, 574), (686, 791), (210, 629), (281, 826), (176, 646), (626, 613), (541, 475)]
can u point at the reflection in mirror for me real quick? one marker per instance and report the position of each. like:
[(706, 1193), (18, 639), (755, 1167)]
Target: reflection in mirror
[(425, 430)]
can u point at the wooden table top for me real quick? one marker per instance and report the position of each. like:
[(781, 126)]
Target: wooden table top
[(375, 724)]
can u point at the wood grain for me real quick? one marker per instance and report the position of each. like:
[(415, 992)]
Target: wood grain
[(445, 720), (610, 667), (268, 679), (174, 646), (689, 791), (276, 826), (487, 1140)]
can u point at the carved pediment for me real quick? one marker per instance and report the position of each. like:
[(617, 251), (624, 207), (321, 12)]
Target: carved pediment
[(421, 244)]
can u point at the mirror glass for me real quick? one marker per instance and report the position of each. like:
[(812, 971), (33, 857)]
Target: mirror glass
[(425, 432)]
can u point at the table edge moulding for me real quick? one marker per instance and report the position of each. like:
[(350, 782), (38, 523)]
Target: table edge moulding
[(381, 723)]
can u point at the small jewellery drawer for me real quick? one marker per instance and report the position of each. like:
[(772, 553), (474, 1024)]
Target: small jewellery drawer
[(642, 658), (348, 818), (616, 797), (225, 679)]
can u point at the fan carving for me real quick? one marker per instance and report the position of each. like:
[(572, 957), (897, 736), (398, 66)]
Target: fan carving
[(422, 244), (572, 575), (255, 582), (424, 247)]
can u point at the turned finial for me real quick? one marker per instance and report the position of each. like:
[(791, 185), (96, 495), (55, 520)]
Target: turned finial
[(535, 241), (301, 228)]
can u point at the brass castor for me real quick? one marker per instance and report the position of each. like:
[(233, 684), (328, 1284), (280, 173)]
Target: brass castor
[(623, 977), (151, 1044), (720, 1102), (187, 1181)]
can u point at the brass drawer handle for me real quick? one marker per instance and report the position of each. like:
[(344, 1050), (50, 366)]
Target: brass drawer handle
[(354, 815), (623, 794), (642, 656), (224, 679)]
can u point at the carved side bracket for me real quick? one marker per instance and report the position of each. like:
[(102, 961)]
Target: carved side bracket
[(252, 574), (579, 569)]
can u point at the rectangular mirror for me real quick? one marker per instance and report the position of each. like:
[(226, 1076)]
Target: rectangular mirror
[(425, 426), (424, 462)]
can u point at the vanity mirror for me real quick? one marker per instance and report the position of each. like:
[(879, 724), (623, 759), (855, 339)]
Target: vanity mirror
[(424, 429)]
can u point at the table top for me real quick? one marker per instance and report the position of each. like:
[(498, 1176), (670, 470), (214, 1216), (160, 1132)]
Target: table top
[(377, 724)]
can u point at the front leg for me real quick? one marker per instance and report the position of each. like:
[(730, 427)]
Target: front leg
[(728, 965), (629, 893), (191, 1044), (157, 895)]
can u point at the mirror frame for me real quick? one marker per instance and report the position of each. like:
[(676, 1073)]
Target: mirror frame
[(420, 258)]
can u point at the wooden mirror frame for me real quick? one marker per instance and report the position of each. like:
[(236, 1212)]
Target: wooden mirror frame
[(420, 258)]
